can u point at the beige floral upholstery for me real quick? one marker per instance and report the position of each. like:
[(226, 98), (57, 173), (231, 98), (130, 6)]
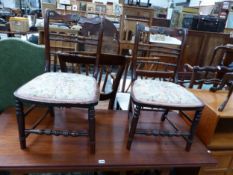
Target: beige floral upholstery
[(163, 93), (57, 87)]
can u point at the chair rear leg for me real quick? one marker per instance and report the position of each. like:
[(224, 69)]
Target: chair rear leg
[(91, 132), (133, 126), (21, 123), (193, 128), (163, 117)]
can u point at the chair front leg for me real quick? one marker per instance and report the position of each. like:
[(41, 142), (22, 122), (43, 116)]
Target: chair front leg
[(130, 110), (133, 126), (21, 123), (193, 128), (91, 130)]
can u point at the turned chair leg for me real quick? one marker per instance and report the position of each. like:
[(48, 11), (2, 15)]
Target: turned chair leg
[(130, 110), (133, 126), (193, 128), (51, 111), (21, 123), (91, 120)]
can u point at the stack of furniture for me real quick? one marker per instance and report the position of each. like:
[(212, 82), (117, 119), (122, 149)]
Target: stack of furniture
[(215, 128)]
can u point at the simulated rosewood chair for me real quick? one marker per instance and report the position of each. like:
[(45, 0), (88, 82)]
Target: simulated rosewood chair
[(58, 89), (157, 53), (213, 78)]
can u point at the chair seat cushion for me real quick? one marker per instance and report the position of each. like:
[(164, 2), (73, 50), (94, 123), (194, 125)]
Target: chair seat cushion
[(60, 88), (164, 94)]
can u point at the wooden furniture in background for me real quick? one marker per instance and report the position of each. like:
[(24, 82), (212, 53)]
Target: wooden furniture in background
[(198, 50), (131, 15), (89, 26), (200, 47), (215, 127), (216, 131), (227, 55), (216, 77), (65, 154), (163, 22)]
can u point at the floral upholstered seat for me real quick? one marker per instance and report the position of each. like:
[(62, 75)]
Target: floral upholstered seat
[(163, 93), (57, 87)]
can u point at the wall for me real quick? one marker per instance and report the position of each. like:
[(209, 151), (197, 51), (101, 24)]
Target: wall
[(161, 3), (203, 2), (8, 3)]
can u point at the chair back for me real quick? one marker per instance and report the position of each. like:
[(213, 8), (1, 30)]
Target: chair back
[(110, 40), (213, 78), (222, 55), (209, 77), (62, 34), (158, 51)]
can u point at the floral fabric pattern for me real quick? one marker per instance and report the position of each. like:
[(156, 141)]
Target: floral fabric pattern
[(163, 93), (57, 87)]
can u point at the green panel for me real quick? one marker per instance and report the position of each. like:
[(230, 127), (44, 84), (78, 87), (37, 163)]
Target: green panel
[(20, 61)]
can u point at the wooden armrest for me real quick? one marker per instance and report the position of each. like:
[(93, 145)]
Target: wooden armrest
[(188, 67)]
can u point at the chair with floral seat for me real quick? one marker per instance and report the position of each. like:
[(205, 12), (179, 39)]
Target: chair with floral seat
[(59, 89), (156, 56)]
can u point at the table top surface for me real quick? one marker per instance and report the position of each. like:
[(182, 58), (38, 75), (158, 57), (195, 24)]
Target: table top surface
[(72, 153), (214, 99)]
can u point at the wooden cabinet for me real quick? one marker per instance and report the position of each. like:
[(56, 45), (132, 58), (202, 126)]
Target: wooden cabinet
[(215, 128), (130, 16), (216, 131), (200, 46), (224, 166)]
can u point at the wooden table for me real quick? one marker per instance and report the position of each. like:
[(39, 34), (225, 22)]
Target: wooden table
[(51, 153)]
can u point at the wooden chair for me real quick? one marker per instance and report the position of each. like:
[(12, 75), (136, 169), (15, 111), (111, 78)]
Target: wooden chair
[(154, 61), (213, 78), (57, 89)]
